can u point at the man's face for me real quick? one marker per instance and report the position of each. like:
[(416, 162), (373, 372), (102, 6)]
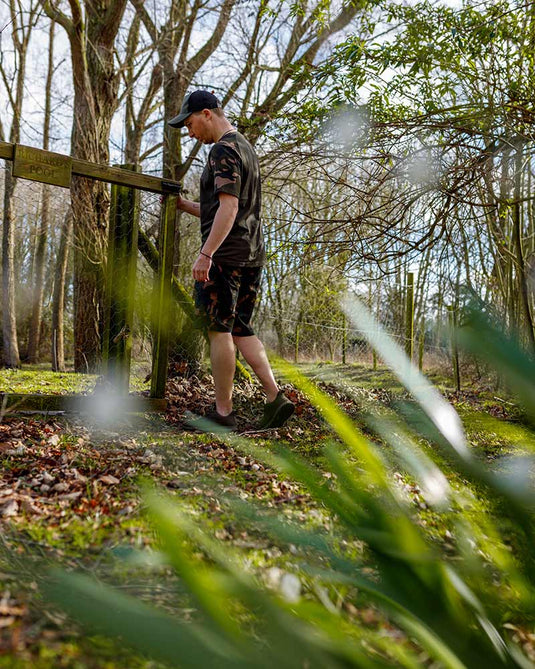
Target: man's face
[(198, 126)]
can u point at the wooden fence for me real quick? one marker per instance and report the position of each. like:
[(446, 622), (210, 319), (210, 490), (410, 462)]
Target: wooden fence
[(57, 169)]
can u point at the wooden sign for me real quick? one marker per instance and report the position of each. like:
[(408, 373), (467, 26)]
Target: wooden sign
[(44, 166)]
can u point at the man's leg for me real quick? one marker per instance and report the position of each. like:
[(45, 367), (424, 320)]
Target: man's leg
[(278, 407), (223, 359), (254, 353)]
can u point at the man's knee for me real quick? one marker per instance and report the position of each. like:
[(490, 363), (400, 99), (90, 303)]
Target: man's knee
[(249, 339), (219, 339)]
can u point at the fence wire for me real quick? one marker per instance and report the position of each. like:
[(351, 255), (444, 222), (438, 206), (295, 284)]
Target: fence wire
[(318, 334), (306, 341)]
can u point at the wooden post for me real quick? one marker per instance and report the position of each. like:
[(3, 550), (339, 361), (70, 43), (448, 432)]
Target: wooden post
[(409, 316), (421, 345), (296, 342), (454, 348), (120, 285), (344, 339), (162, 297)]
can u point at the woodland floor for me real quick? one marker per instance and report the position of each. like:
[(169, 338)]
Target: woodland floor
[(70, 494)]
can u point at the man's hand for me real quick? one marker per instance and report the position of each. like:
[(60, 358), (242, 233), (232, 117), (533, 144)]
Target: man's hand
[(181, 203), (201, 268)]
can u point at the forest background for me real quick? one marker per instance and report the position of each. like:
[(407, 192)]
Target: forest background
[(393, 138), (383, 526)]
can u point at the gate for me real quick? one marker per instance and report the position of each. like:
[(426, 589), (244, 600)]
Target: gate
[(125, 239)]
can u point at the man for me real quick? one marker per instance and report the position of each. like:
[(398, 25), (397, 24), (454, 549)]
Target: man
[(228, 269)]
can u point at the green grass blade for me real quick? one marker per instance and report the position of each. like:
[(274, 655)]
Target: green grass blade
[(442, 415), (343, 426), (434, 484), (481, 337), (110, 612)]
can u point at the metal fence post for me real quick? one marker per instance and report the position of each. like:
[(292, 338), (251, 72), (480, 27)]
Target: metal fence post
[(120, 284), (344, 339), (421, 345)]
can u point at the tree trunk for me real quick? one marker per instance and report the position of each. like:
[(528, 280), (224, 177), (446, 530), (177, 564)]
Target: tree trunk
[(38, 278), (58, 299), (88, 285), (39, 265), (20, 36), (519, 253), (92, 32), (9, 321)]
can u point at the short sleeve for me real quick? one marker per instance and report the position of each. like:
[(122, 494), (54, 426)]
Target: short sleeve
[(226, 167)]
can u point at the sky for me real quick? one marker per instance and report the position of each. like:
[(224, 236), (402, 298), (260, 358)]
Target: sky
[(34, 83)]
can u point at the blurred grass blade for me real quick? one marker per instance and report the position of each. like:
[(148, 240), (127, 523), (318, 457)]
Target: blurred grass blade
[(442, 415), (434, 484), (292, 643), (209, 593), (342, 425), (280, 458), (482, 338), (384, 525), (110, 612)]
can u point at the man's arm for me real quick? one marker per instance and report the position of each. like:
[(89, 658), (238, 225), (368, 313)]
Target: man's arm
[(222, 225), (188, 206)]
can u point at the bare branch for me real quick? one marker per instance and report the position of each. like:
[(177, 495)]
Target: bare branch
[(196, 61), (56, 15)]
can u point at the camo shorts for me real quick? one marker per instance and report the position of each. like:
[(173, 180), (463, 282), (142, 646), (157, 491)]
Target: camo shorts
[(225, 302)]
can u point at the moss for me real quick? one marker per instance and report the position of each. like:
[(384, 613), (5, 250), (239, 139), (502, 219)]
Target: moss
[(95, 542), (41, 379)]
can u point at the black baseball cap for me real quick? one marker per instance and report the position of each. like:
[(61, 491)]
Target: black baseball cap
[(194, 102)]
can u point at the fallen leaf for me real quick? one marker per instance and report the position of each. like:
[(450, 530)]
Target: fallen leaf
[(6, 622), (71, 495), (10, 610), (109, 479), (61, 487), (10, 508), (29, 507)]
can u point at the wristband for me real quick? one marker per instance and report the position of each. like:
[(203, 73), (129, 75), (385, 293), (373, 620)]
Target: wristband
[(205, 255)]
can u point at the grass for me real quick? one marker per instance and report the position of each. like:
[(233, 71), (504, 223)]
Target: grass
[(41, 379), (203, 478)]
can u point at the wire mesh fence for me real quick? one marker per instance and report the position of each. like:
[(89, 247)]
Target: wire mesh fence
[(309, 333), (29, 225), (331, 341)]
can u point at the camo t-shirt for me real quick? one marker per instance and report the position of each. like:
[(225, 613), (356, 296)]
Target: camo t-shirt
[(233, 168)]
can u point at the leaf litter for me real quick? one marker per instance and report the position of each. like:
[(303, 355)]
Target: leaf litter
[(54, 472)]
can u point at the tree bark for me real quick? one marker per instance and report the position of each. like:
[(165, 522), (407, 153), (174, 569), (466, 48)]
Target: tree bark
[(92, 29), (9, 319), (519, 252), (40, 252), (21, 38), (58, 298)]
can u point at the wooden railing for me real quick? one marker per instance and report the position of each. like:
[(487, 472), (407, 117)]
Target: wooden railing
[(113, 175), (57, 169)]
